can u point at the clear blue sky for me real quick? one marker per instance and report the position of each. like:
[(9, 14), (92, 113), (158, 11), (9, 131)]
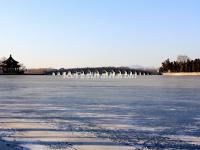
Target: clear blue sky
[(78, 33)]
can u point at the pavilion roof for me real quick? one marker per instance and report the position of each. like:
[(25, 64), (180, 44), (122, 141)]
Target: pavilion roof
[(10, 60)]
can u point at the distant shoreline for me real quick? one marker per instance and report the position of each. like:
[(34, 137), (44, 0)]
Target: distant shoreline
[(182, 74), (20, 74)]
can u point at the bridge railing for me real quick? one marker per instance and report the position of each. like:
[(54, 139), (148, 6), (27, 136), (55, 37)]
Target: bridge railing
[(100, 73)]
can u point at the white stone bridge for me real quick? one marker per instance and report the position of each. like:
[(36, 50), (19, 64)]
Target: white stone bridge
[(101, 72)]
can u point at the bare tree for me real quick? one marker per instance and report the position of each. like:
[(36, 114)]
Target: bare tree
[(182, 58), (2, 59), (22, 67)]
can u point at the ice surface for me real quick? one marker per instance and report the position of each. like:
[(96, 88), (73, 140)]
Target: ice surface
[(40, 112)]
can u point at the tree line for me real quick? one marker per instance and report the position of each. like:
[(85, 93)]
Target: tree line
[(183, 64)]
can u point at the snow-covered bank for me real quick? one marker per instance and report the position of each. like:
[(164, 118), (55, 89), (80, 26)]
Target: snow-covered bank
[(182, 74)]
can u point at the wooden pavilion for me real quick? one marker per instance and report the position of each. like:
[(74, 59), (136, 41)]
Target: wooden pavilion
[(11, 66)]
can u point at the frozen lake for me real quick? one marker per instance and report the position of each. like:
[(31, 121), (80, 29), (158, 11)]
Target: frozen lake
[(152, 112)]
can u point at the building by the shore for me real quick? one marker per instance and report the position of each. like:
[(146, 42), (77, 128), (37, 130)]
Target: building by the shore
[(11, 67)]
